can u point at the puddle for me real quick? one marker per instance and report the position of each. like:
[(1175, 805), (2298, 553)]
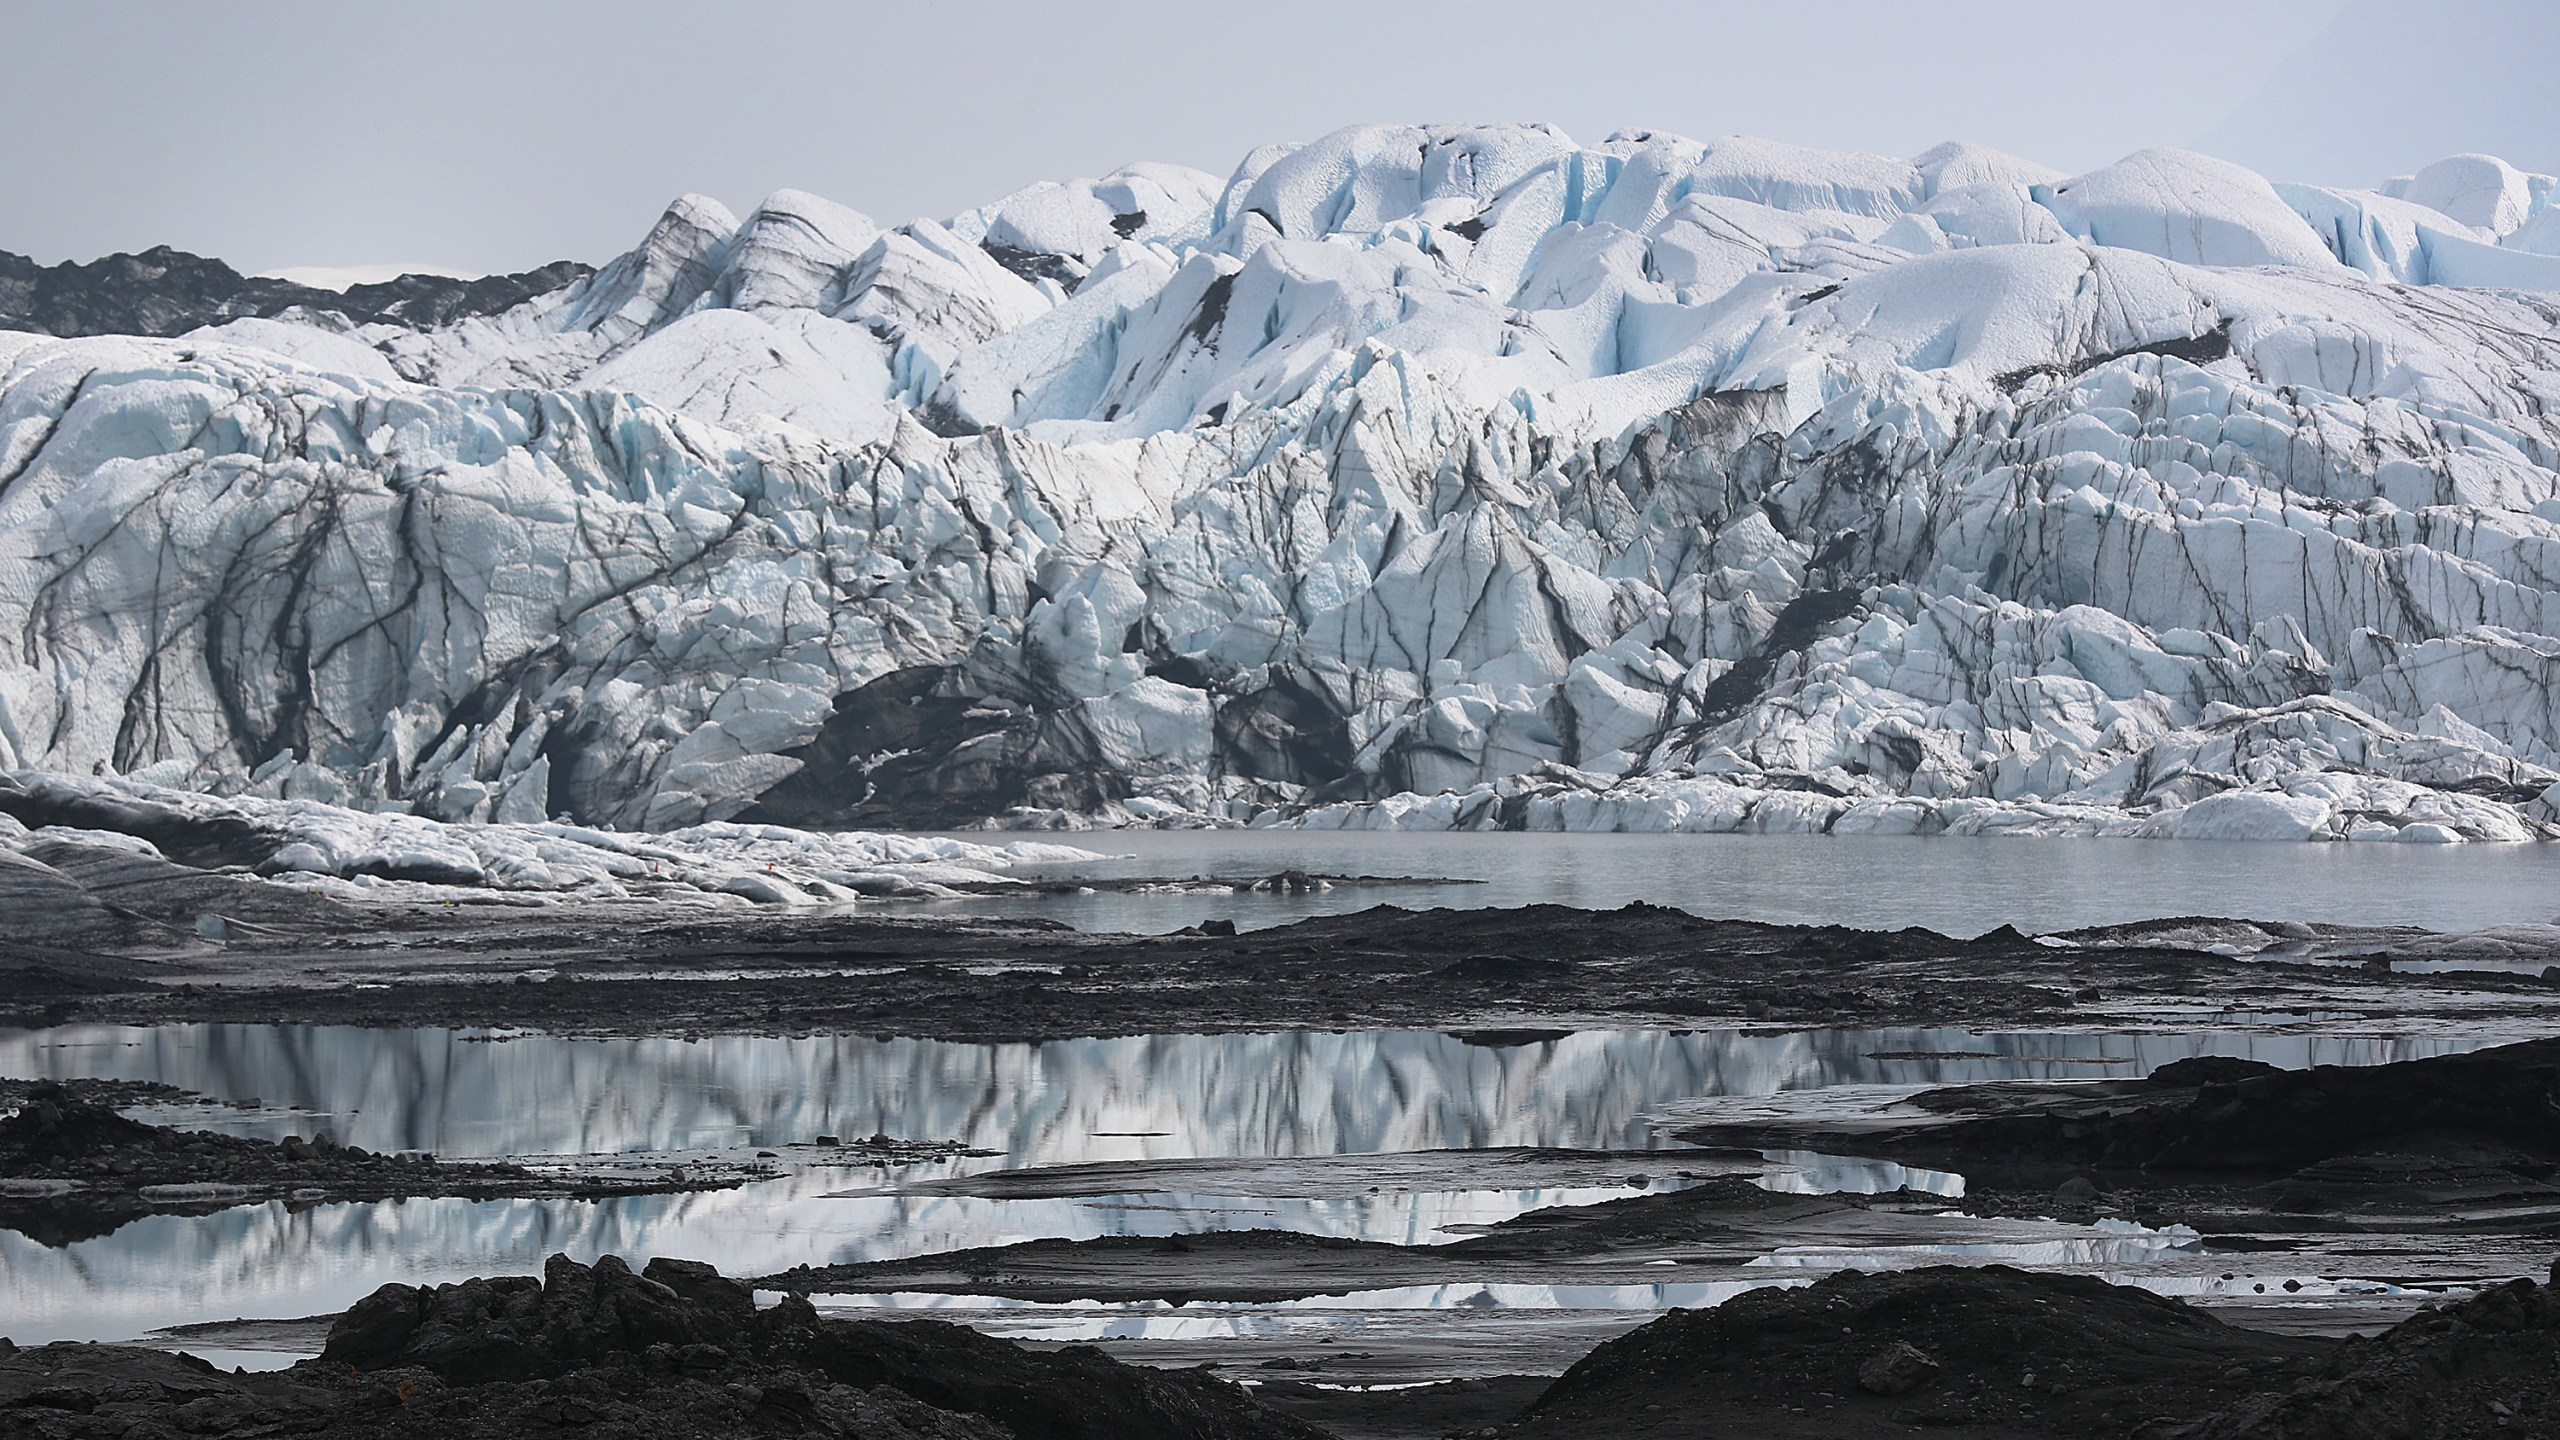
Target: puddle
[(2108, 1242), (1196, 1320), (1809, 1172), (252, 1361), (1345, 1316)]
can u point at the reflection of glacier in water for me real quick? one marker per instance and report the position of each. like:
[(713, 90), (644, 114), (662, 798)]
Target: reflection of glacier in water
[(2108, 1242), (463, 1093), (1055, 1102)]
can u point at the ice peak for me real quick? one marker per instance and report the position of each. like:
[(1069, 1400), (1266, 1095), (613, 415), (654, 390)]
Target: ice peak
[(2191, 208), (1955, 164), (791, 250), (646, 287), (2481, 191)]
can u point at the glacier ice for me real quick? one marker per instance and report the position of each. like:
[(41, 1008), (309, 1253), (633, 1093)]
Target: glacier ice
[(331, 850), (1413, 477)]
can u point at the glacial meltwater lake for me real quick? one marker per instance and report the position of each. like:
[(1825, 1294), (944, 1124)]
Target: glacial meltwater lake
[(1281, 1095), (1957, 886)]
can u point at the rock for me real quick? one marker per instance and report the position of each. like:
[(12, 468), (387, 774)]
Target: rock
[(2210, 1070), (77, 1392), (1505, 969), (2078, 1190), (1941, 1341), (1898, 1369), (603, 1319), (163, 291), (83, 1391), (377, 1326), (702, 1286), (2489, 1365), (55, 1126)]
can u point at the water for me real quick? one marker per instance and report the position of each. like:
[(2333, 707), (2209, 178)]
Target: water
[(463, 1093), (1387, 1315), (1955, 886), (1144, 1098)]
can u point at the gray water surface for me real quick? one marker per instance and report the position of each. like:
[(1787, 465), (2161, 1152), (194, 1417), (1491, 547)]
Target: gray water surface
[(1957, 886)]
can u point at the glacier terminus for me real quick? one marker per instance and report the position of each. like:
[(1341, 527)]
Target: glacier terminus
[(1410, 478)]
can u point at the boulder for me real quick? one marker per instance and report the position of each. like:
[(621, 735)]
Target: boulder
[(1898, 1369)]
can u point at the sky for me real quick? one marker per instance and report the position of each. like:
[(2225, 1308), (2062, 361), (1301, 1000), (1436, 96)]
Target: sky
[(480, 135)]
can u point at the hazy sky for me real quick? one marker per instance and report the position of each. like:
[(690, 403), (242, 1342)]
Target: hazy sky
[(497, 134)]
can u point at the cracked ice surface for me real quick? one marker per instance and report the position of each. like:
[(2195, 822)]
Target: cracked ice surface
[(1411, 477)]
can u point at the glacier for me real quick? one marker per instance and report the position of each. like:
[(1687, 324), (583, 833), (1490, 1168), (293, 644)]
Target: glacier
[(1409, 478), (333, 851)]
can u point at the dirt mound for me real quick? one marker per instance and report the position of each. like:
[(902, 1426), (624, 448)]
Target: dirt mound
[(2489, 1366), (580, 1318), (672, 1353), (53, 1124), (1504, 969), (1970, 1352), (2294, 1118), (2211, 1070), (90, 1392)]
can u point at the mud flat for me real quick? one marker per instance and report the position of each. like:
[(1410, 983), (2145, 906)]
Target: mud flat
[(102, 932), (624, 970)]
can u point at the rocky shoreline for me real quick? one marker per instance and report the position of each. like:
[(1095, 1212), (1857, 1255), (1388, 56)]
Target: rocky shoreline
[(72, 1166), (1994, 1351), (2465, 1144), (606, 970), (1991, 1353), (672, 1351)]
